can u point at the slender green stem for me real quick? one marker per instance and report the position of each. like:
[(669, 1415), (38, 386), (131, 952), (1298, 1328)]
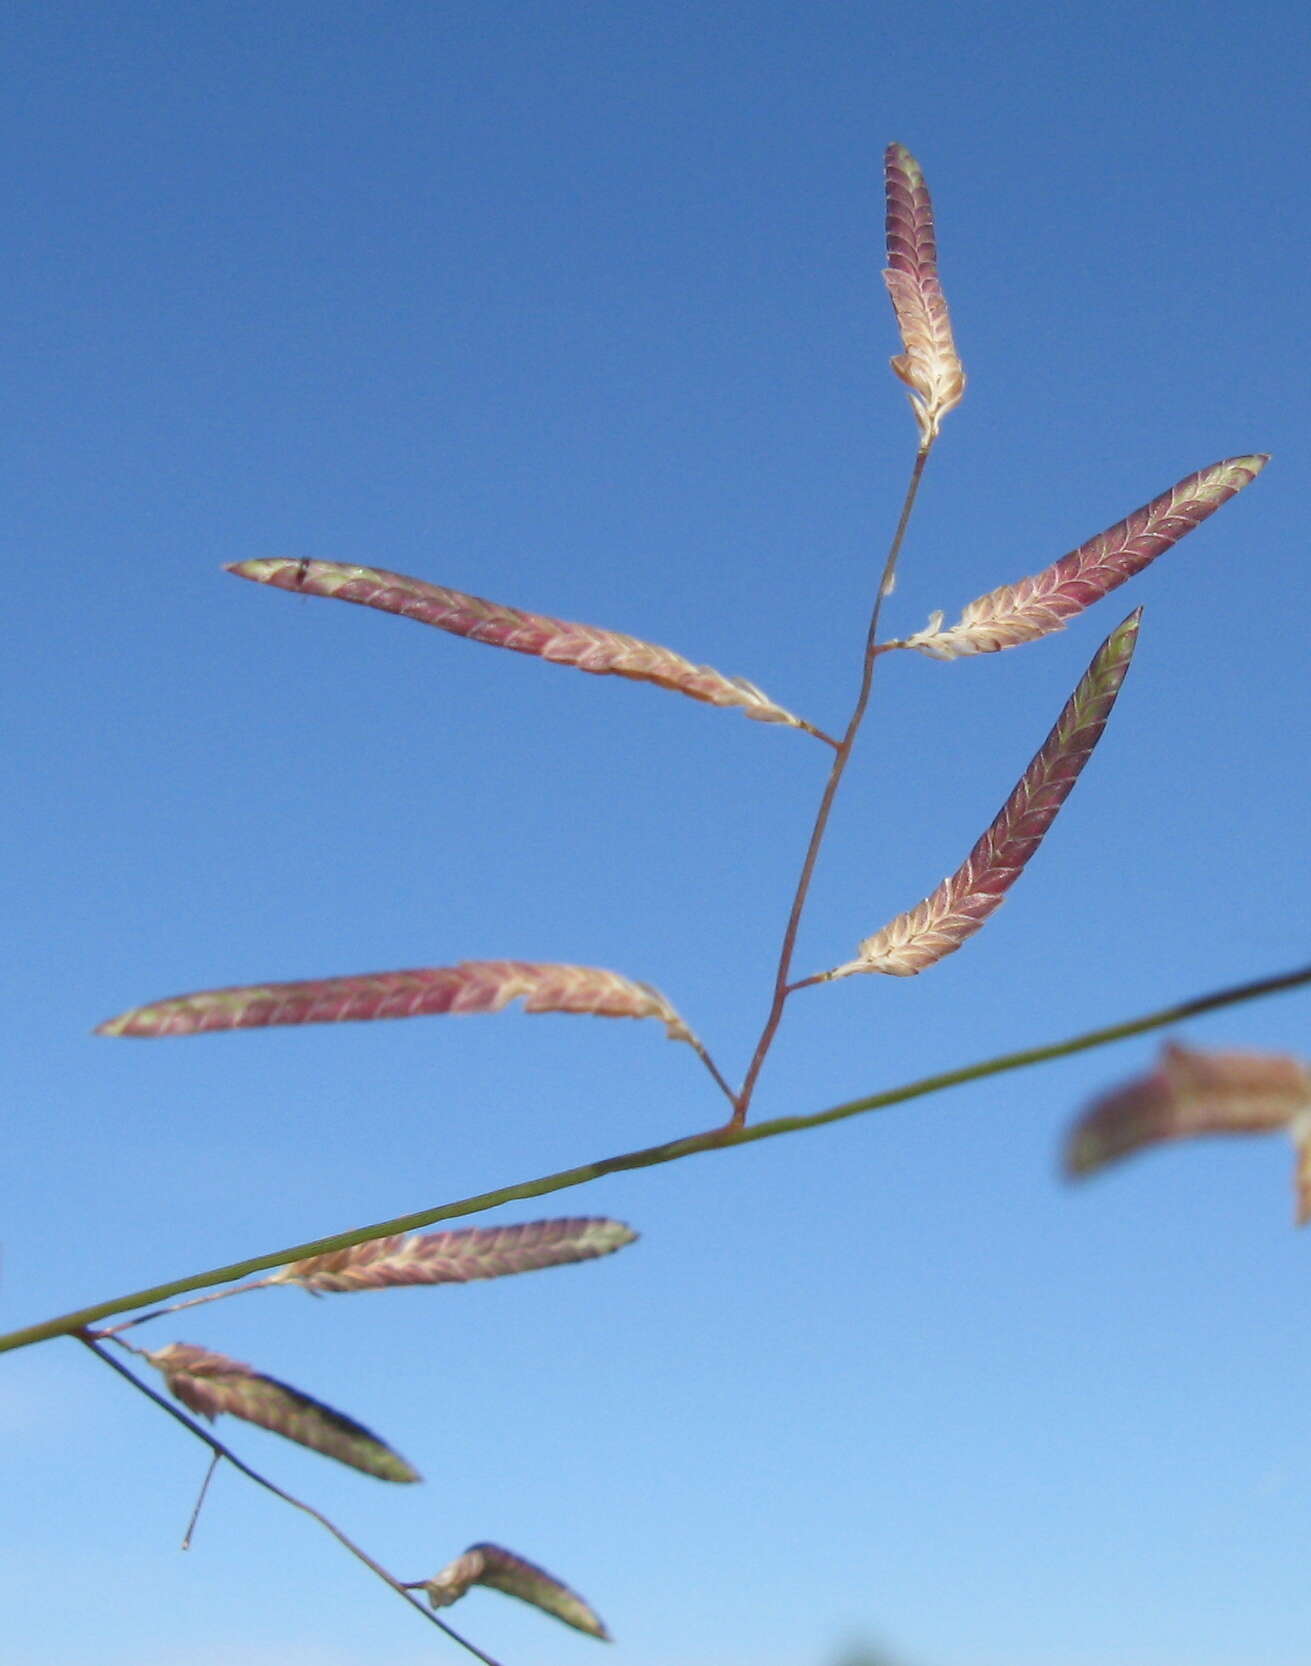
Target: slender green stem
[(848, 741), (221, 1451), (716, 1139)]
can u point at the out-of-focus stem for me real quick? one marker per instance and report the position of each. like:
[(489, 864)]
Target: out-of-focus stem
[(214, 1461)]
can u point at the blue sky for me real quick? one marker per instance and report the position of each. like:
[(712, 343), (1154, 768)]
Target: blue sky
[(578, 307)]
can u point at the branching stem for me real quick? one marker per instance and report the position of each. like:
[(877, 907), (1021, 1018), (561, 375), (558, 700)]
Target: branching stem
[(717, 1139), (217, 1447), (845, 746)]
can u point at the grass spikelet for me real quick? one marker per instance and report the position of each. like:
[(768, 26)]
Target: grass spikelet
[(1192, 1093), (209, 1384), (586, 647), (1037, 606), (939, 925), (501, 1570), (930, 366), (457, 1257), (470, 986)]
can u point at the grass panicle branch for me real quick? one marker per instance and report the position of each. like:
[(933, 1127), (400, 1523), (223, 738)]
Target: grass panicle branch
[(220, 1450), (783, 971), (932, 370), (1189, 1093)]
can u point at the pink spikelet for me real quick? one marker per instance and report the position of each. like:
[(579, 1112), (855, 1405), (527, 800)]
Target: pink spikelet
[(210, 1384), (470, 986), (586, 647), (1192, 1093), (929, 366), (502, 1570), (457, 1257), (1036, 606), (939, 925)]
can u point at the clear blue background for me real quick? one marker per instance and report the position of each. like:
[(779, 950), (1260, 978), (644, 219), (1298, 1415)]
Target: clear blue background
[(577, 307)]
